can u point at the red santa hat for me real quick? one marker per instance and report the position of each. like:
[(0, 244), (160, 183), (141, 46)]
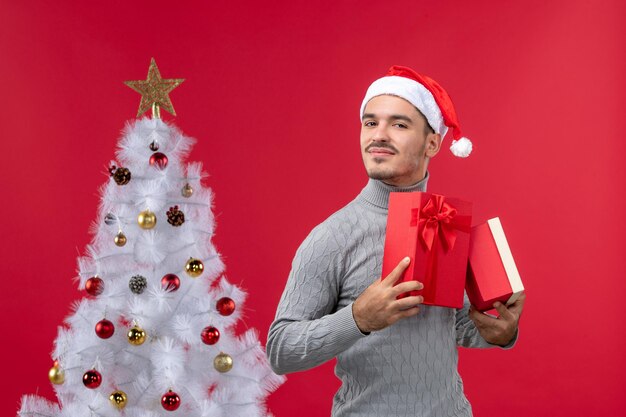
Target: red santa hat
[(428, 97)]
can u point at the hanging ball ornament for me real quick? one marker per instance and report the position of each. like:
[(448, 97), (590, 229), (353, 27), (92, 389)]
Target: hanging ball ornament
[(154, 146), (120, 239), (170, 401), (187, 190), (210, 335), (170, 282), (118, 399), (175, 217), (146, 219), (56, 374), (94, 286), (92, 379), (136, 336), (105, 329), (223, 362), (158, 160), (110, 219), (194, 267), (225, 306), (120, 175), (137, 284)]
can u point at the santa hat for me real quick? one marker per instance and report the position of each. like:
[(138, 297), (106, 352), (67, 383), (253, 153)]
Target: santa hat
[(428, 97)]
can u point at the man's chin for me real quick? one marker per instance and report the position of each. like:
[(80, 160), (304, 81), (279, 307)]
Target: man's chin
[(380, 175)]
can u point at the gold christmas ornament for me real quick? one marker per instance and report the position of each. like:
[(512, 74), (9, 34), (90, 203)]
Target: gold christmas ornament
[(136, 336), (155, 91), (194, 267), (118, 399), (56, 374), (223, 362), (187, 190), (146, 219), (120, 239)]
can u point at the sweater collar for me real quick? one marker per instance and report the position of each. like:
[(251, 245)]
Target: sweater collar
[(377, 192)]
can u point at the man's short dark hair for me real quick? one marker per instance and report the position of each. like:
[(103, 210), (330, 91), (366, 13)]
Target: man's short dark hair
[(427, 128)]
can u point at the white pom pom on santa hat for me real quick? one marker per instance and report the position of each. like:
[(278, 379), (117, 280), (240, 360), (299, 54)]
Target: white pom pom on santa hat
[(428, 97), (461, 148)]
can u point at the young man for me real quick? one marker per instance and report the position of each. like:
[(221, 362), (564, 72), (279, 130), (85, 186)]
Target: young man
[(394, 357)]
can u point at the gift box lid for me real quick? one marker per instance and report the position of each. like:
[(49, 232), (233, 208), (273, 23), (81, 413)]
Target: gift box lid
[(492, 265), (505, 254)]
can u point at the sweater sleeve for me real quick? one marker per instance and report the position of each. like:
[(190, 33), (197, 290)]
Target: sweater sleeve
[(308, 330), (467, 334)]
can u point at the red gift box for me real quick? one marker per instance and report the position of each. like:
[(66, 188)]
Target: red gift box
[(433, 231), (492, 275)]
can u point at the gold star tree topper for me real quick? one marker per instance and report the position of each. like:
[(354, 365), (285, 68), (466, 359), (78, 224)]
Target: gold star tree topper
[(155, 91)]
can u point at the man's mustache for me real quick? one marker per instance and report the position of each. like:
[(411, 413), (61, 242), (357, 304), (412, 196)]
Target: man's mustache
[(381, 145)]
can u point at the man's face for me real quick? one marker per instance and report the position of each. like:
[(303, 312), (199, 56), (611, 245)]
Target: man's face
[(395, 144)]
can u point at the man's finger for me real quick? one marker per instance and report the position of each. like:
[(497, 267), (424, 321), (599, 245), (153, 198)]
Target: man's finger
[(405, 313), (475, 315), (407, 286), (480, 318), (518, 305), (504, 312), (395, 275), (408, 302)]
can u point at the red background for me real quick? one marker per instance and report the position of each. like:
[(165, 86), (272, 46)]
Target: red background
[(272, 94)]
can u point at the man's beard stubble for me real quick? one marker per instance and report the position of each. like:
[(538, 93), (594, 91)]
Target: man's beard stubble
[(384, 174)]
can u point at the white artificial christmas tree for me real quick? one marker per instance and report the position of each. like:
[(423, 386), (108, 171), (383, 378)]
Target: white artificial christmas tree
[(155, 334)]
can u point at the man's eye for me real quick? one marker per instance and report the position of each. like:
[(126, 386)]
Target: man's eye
[(401, 125), (369, 123)]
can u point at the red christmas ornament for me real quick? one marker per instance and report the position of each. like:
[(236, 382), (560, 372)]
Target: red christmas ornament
[(170, 401), (225, 306), (210, 335), (158, 160), (170, 282), (94, 286), (92, 379), (105, 329)]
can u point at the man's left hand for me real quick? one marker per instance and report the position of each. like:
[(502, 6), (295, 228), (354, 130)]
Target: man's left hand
[(499, 330)]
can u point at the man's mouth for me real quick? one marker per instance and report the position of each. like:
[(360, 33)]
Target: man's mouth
[(375, 151)]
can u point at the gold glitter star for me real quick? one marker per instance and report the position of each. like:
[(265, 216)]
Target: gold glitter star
[(155, 91)]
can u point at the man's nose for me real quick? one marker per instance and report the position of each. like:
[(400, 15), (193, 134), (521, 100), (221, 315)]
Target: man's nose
[(380, 133)]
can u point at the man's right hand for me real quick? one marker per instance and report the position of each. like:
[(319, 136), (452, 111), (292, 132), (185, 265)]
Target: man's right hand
[(378, 307)]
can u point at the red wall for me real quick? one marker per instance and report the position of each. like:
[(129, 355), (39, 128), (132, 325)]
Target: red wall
[(272, 94)]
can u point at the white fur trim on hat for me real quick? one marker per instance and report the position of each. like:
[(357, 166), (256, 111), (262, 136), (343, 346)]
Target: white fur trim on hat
[(413, 92)]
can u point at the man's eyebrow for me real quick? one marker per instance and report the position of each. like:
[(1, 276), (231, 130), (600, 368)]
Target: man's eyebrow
[(392, 117), (401, 117)]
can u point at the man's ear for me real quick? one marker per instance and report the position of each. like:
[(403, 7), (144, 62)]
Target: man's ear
[(433, 144)]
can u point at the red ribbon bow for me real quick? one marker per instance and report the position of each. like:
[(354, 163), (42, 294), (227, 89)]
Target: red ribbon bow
[(435, 219)]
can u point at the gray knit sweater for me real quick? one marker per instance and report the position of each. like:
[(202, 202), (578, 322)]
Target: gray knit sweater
[(407, 369)]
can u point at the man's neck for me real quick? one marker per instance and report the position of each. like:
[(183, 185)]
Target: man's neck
[(376, 192), (410, 185)]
